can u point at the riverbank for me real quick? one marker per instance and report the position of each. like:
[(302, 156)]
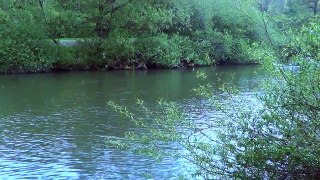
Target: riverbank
[(74, 55), (156, 51), (56, 68), (124, 67)]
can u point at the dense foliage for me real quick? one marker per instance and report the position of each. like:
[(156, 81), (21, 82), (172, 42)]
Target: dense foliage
[(124, 34), (23, 46)]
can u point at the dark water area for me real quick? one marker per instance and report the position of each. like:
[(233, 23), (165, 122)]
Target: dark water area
[(54, 126)]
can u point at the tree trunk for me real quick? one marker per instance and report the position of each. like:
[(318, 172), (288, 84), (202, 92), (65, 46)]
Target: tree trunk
[(315, 9)]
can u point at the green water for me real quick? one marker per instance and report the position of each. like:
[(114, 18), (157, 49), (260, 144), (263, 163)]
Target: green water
[(53, 126)]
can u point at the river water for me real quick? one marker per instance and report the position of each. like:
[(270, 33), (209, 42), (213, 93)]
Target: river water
[(54, 126)]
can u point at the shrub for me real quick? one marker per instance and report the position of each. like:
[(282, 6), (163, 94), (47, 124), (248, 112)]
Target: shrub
[(24, 46), (159, 51)]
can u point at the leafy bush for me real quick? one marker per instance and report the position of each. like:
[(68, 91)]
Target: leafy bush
[(24, 46), (160, 51), (228, 33), (166, 51), (302, 43)]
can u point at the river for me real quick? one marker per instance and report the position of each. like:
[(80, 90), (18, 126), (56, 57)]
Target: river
[(54, 126)]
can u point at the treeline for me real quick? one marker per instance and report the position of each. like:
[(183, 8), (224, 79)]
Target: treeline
[(128, 34)]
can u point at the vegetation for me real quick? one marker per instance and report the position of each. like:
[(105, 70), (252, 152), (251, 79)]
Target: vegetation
[(277, 140), (123, 34), (23, 48)]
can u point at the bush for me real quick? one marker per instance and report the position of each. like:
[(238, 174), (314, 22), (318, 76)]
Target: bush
[(24, 46), (223, 47), (166, 51), (228, 34), (158, 51)]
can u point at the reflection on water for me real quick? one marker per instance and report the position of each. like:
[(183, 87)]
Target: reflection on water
[(53, 126)]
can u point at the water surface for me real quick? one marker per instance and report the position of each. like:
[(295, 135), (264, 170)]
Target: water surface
[(53, 126)]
